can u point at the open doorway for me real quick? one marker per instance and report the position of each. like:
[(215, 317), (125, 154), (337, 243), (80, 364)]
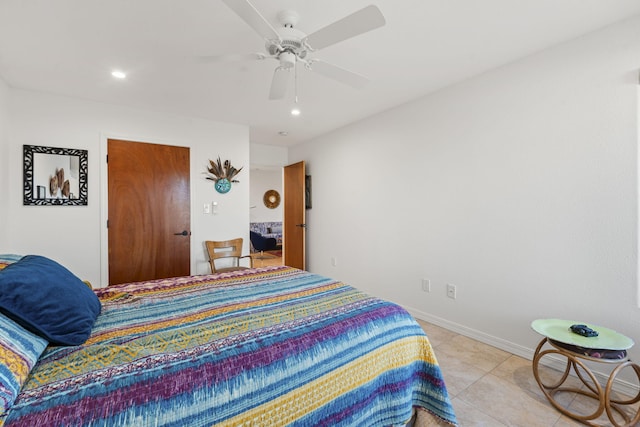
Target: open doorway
[(266, 215)]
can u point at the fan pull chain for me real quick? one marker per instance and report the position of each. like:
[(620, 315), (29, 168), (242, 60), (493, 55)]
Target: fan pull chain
[(295, 80), (295, 111)]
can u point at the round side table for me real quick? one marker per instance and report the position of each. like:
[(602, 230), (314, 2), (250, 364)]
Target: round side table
[(608, 347)]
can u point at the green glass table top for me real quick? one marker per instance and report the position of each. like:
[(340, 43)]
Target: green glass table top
[(558, 330)]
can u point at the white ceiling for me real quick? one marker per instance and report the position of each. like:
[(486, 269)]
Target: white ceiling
[(70, 47)]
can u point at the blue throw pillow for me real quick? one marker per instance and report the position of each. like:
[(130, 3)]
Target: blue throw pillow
[(47, 299)]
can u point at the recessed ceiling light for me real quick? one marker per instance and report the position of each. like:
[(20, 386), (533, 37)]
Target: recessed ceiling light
[(118, 74), (295, 111), (283, 133)]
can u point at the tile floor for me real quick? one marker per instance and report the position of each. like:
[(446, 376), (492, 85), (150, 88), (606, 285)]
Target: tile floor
[(493, 388), (261, 261)]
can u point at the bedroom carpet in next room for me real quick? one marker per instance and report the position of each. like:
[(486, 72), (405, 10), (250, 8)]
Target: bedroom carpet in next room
[(493, 388)]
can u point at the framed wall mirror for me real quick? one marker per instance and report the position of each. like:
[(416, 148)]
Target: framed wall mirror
[(55, 176)]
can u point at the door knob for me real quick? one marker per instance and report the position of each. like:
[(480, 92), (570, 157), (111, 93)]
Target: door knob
[(183, 233), (301, 225)]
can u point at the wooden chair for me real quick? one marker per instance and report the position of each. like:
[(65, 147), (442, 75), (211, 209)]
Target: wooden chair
[(229, 249)]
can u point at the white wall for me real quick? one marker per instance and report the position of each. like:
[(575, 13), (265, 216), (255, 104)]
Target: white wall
[(268, 156), (263, 180), (76, 236), (266, 174), (4, 162), (518, 186)]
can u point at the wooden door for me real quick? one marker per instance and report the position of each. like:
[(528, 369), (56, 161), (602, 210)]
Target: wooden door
[(294, 226), (149, 211)]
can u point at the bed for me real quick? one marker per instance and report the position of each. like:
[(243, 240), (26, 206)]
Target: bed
[(259, 347)]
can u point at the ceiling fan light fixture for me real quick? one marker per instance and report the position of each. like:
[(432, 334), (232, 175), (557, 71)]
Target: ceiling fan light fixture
[(287, 59)]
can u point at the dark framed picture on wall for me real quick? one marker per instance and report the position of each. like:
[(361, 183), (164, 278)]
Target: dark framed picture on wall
[(307, 191), (55, 176)]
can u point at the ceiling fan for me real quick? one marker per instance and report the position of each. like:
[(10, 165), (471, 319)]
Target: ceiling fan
[(290, 46)]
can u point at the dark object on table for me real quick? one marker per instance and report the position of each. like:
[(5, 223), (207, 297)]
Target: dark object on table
[(583, 330), (261, 243)]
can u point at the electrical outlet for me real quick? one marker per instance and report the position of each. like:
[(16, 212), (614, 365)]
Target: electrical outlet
[(451, 291), (207, 208), (426, 285)]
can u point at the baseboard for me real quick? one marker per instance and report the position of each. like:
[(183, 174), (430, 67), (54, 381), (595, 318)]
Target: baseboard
[(619, 385)]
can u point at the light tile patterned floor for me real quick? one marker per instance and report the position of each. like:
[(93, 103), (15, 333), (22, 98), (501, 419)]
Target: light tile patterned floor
[(493, 388), (262, 261)]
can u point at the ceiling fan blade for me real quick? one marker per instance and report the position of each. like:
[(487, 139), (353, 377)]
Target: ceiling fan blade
[(340, 74), (359, 22), (279, 83), (233, 57), (251, 16)]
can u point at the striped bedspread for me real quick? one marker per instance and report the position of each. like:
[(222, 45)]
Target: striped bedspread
[(262, 347)]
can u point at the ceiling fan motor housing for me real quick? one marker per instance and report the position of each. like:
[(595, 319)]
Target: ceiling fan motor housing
[(290, 46)]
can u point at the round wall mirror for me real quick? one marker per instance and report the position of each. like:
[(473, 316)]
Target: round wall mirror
[(271, 199)]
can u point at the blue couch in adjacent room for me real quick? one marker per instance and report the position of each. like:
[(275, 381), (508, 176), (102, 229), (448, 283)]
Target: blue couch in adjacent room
[(261, 243), (268, 229)]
